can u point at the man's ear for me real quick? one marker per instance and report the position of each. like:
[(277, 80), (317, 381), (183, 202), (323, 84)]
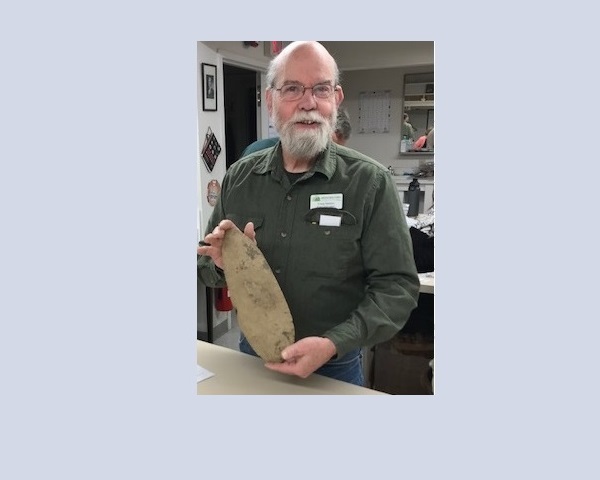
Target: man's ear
[(339, 95), (269, 94)]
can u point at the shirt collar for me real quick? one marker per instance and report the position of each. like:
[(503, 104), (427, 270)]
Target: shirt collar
[(273, 162)]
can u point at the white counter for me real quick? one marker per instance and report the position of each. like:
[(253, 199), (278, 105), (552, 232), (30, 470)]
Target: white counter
[(236, 373), (427, 281)]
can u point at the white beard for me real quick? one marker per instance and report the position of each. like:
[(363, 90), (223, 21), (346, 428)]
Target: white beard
[(305, 144)]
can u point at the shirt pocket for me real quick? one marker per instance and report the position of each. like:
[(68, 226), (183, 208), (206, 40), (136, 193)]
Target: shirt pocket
[(331, 250)]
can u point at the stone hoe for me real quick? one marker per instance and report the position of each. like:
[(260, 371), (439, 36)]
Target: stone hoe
[(262, 311)]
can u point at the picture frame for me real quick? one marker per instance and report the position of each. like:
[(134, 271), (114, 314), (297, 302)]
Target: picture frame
[(209, 87)]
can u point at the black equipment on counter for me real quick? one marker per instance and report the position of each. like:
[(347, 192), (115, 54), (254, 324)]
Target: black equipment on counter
[(414, 190)]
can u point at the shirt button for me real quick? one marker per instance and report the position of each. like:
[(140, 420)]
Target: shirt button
[(283, 234), (327, 232), (278, 270), (289, 197)]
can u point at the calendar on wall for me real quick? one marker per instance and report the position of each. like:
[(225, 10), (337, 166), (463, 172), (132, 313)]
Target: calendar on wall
[(374, 111)]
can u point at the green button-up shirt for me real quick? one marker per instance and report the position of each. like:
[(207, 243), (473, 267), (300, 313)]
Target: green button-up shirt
[(355, 283)]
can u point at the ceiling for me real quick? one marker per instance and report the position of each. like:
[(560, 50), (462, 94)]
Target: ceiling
[(371, 55)]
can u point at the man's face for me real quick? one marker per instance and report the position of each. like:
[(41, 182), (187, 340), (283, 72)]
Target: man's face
[(304, 125)]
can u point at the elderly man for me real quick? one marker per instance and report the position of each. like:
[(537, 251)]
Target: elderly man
[(328, 220)]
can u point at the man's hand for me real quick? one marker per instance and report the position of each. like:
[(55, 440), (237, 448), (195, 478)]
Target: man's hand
[(304, 357), (213, 242)]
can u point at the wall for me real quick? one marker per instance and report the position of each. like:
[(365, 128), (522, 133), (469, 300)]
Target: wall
[(216, 53), (254, 56), (376, 55), (216, 122), (383, 147)]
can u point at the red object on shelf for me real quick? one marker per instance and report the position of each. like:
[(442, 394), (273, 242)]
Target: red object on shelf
[(222, 300)]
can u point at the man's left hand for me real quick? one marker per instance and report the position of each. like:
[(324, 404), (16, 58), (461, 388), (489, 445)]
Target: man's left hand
[(304, 357)]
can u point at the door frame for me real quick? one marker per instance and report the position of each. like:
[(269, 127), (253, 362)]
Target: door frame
[(262, 113)]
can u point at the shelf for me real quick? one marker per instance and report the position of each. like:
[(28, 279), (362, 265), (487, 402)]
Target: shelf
[(418, 104)]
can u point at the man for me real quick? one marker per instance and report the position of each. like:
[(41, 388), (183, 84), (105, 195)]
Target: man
[(341, 134), (327, 219), (407, 129)]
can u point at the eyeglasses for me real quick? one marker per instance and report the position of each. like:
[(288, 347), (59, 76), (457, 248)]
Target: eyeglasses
[(295, 91)]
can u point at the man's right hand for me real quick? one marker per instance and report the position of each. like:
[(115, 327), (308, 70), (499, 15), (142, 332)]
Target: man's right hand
[(214, 241)]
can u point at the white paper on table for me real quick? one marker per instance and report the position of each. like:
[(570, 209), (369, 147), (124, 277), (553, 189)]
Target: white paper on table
[(203, 374), (411, 222)]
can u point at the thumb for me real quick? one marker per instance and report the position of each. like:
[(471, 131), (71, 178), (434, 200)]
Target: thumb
[(249, 231), (290, 352)]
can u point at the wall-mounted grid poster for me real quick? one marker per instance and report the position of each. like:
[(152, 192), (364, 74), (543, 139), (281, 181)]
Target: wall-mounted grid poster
[(374, 111)]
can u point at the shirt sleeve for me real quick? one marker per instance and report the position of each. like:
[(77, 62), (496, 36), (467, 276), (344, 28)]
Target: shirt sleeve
[(392, 282), (208, 273)]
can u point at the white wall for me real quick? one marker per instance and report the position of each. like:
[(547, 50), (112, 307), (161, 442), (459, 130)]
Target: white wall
[(217, 53), (254, 56), (376, 55), (216, 122), (383, 147)]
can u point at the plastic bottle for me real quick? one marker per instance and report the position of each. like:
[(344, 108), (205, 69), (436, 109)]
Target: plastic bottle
[(404, 144), (414, 190)]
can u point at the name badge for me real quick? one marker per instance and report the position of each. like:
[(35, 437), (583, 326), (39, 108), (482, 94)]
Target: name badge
[(327, 200), (330, 221)]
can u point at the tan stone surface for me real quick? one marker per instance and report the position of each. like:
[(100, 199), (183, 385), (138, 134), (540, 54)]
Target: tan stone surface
[(262, 311)]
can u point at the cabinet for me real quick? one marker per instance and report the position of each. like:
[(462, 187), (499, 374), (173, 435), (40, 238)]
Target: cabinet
[(418, 95), (418, 91)]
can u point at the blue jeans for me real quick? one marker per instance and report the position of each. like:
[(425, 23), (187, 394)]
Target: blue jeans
[(347, 369)]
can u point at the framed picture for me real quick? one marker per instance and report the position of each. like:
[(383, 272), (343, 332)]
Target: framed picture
[(209, 87)]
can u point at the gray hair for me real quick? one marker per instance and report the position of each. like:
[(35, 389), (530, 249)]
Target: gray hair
[(343, 127)]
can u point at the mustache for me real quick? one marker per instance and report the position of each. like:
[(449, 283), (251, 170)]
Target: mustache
[(307, 117)]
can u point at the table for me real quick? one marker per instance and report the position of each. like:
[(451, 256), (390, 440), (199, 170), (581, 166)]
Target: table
[(238, 373), (427, 282)]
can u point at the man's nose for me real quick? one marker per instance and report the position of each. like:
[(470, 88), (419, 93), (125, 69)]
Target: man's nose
[(308, 100)]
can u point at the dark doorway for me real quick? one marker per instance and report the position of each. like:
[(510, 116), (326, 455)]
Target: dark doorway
[(240, 110)]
